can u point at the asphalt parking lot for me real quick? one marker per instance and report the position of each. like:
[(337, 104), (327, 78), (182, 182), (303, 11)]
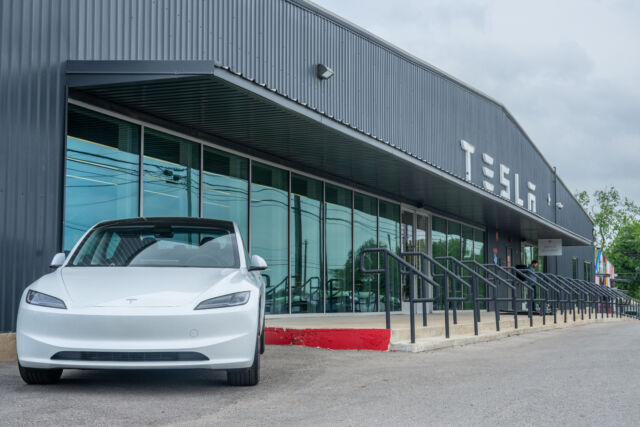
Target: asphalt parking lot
[(588, 375)]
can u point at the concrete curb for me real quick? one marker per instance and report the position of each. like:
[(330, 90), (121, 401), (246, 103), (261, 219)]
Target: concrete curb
[(440, 343)]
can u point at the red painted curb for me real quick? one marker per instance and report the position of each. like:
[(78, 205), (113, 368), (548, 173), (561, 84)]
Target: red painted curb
[(334, 339)]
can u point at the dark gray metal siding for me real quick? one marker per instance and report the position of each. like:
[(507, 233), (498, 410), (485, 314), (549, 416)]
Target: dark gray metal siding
[(376, 89)]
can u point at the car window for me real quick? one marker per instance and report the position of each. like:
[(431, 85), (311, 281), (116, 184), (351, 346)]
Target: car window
[(158, 246)]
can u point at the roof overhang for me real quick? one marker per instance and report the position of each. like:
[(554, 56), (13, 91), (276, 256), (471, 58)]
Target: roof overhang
[(208, 101)]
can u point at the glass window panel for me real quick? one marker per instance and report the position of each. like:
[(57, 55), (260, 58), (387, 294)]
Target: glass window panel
[(467, 242), (467, 253), (306, 245), (389, 237), (102, 171), (365, 235), (478, 246), (339, 251), (422, 233), (225, 188), (453, 239), (479, 256), (171, 175), (439, 249), (269, 222)]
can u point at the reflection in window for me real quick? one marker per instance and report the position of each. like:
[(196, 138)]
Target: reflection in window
[(102, 169), (225, 188), (365, 235), (439, 249), (479, 256), (339, 251), (171, 175), (467, 253), (269, 222), (389, 223), (306, 245)]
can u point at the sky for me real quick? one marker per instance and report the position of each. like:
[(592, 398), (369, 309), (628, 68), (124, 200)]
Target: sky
[(568, 71)]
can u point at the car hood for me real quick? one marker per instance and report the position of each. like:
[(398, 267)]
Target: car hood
[(141, 286)]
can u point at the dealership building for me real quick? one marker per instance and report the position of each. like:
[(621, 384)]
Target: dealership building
[(316, 137)]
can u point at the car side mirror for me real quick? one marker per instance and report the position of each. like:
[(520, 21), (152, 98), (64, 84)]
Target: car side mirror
[(58, 260), (257, 263)]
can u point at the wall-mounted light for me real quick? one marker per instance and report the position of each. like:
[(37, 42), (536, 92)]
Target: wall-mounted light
[(323, 72), (559, 205)]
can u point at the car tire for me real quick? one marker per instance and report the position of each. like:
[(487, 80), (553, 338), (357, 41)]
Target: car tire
[(262, 340), (39, 376), (247, 376)]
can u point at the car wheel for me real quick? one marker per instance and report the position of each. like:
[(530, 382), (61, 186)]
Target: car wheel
[(248, 376), (39, 376), (262, 340)]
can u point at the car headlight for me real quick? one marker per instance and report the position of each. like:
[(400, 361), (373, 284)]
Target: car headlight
[(229, 300), (44, 300)]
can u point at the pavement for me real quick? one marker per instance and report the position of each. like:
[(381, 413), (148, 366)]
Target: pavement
[(577, 376)]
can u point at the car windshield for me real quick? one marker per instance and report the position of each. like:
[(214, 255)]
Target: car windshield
[(158, 246)]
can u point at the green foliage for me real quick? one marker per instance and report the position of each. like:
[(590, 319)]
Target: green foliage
[(624, 253), (610, 213)]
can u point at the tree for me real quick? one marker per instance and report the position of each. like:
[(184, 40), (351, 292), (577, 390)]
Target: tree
[(624, 253), (610, 212)]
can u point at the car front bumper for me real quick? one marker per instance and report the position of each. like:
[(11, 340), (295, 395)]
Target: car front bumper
[(225, 336)]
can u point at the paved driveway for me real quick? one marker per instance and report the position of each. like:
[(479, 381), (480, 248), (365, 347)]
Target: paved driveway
[(579, 376)]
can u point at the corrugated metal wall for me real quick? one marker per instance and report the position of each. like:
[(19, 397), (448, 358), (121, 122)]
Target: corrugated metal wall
[(275, 42)]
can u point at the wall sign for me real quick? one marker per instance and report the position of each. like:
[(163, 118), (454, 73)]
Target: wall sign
[(550, 247), (489, 168)]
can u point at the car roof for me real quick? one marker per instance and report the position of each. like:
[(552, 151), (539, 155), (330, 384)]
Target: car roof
[(170, 221)]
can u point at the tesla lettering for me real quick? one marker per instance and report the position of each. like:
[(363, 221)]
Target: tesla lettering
[(488, 174)]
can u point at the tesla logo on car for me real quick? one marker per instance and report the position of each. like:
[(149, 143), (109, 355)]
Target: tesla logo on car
[(131, 300)]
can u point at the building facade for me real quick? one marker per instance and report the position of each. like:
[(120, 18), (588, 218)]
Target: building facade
[(216, 108)]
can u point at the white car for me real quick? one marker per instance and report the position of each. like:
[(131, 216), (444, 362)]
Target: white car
[(147, 293)]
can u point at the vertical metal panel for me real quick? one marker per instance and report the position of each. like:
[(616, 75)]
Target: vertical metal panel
[(376, 89)]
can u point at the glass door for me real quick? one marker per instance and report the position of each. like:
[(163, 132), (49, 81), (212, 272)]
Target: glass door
[(415, 238)]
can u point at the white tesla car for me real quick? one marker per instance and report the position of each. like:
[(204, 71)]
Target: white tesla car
[(147, 293)]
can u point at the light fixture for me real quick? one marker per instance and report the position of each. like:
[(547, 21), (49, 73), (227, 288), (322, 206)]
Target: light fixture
[(559, 205), (323, 72)]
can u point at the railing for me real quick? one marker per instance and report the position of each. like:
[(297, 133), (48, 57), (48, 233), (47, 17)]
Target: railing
[(502, 284)]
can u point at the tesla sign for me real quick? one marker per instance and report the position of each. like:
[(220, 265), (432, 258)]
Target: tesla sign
[(504, 178), (550, 247)]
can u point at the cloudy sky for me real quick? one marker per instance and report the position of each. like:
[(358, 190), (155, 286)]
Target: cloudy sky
[(569, 71)]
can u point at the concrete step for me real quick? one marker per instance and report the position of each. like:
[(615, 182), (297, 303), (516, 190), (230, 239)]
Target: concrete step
[(435, 342)]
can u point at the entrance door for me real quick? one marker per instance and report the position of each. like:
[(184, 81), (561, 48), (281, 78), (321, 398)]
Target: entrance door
[(415, 238)]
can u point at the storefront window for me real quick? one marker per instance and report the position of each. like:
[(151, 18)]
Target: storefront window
[(479, 256), (269, 222), (339, 251), (365, 235), (439, 249), (389, 237), (225, 188), (307, 294), (171, 175), (102, 171), (467, 254)]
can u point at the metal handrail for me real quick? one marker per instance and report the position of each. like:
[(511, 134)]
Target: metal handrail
[(554, 289), (475, 276), (409, 269), (513, 298), (517, 280), (534, 283)]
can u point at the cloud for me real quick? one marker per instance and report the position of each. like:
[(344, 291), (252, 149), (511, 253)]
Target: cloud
[(567, 71)]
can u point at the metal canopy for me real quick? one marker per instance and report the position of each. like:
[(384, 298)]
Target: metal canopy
[(198, 96)]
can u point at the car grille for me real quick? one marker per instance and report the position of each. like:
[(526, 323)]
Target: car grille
[(112, 356)]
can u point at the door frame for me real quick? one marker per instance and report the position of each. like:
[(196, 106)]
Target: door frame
[(415, 211)]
